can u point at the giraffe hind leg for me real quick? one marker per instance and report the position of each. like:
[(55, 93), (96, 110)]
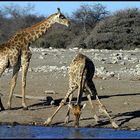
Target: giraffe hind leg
[(24, 75), (13, 83), (104, 110), (90, 89), (1, 105), (3, 66)]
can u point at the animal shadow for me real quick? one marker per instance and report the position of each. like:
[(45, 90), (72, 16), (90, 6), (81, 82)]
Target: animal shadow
[(119, 94), (128, 116), (43, 104)]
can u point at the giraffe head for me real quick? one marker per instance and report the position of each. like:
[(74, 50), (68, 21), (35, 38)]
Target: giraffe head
[(60, 18), (76, 110)]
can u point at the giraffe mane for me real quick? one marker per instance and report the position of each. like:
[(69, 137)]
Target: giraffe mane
[(31, 27), (35, 25)]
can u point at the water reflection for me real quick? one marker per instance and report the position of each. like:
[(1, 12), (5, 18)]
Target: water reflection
[(19, 131)]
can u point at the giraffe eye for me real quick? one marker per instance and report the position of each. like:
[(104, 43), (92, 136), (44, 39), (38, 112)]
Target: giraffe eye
[(62, 17)]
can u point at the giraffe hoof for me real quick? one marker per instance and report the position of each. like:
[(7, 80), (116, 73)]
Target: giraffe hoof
[(76, 126), (114, 125), (66, 120), (96, 118), (25, 108), (9, 108), (48, 122)]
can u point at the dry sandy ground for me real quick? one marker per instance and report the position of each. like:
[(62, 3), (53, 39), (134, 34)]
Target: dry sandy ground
[(121, 96)]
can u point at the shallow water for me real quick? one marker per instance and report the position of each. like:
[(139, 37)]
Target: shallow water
[(21, 131)]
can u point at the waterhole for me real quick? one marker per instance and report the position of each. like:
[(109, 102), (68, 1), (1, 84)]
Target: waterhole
[(21, 131)]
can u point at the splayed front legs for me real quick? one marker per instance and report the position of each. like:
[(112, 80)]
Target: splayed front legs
[(70, 91)]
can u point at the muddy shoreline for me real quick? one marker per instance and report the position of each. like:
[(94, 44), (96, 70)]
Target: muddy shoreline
[(117, 80)]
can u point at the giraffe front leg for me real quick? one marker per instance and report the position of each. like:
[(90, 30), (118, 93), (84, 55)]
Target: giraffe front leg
[(91, 90), (70, 91), (49, 120), (13, 84), (68, 113), (24, 74)]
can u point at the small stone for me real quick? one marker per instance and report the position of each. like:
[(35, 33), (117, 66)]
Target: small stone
[(114, 62), (101, 88), (119, 77), (104, 78), (133, 129), (76, 48), (52, 102), (125, 103), (111, 74), (44, 53), (41, 57), (49, 92), (122, 63), (49, 100), (34, 123)]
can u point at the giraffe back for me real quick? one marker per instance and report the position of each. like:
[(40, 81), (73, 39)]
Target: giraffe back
[(81, 69)]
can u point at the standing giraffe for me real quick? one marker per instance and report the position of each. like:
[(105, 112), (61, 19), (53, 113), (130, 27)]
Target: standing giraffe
[(16, 53), (81, 72)]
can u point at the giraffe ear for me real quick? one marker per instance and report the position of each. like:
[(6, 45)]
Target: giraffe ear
[(58, 10)]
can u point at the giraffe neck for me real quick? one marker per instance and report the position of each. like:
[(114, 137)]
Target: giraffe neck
[(36, 31), (30, 34)]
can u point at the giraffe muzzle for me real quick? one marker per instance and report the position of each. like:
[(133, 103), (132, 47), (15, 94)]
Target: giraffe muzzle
[(69, 25)]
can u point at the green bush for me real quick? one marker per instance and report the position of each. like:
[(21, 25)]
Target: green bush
[(119, 31)]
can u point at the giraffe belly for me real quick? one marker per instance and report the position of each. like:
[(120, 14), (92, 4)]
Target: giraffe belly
[(3, 61), (13, 60)]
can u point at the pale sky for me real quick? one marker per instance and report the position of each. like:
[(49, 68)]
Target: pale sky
[(46, 8)]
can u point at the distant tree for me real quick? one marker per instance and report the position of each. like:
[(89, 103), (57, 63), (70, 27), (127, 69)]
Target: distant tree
[(119, 31), (89, 15), (16, 11), (14, 17)]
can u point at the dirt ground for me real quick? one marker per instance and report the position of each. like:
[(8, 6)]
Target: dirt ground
[(121, 97)]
